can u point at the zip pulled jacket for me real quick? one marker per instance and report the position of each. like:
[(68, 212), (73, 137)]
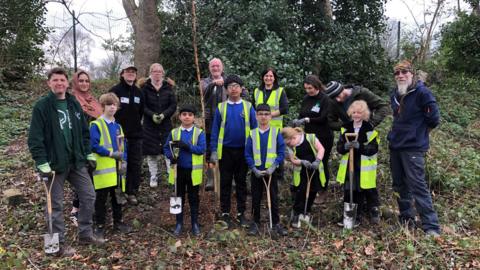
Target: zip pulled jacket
[(414, 115), (45, 138)]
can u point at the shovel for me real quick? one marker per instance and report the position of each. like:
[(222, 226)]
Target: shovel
[(51, 240), (175, 202), (304, 217), (350, 209), (119, 195), (269, 202)]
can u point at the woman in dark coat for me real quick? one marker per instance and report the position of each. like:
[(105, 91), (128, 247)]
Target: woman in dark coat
[(160, 104), (314, 115)]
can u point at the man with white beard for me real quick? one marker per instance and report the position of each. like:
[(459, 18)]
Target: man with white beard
[(415, 114)]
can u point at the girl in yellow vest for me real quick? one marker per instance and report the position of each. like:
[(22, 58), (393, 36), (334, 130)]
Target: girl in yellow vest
[(365, 162), (190, 141), (103, 140), (306, 155)]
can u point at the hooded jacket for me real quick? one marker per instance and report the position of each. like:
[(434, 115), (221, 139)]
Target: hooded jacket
[(414, 115)]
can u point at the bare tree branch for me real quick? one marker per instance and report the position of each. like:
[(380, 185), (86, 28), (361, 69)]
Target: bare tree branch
[(131, 9)]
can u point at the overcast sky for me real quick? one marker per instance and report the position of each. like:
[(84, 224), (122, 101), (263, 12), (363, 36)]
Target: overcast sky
[(91, 17)]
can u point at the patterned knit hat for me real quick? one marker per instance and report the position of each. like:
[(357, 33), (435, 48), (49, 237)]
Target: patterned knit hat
[(333, 89), (403, 65)]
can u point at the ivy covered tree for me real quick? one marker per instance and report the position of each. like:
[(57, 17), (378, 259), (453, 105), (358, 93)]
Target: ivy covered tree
[(22, 32)]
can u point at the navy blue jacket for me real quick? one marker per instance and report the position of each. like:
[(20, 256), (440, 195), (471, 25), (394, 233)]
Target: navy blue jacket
[(263, 150), (414, 115)]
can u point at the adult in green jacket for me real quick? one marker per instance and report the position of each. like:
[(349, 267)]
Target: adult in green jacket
[(59, 142), (342, 96)]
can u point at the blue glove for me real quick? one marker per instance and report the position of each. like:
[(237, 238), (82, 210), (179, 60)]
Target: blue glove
[(315, 164), (271, 169), (258, 173), (298, 122), (306, 163)]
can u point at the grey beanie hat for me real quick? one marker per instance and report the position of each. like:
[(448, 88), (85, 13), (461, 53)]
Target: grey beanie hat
[(333, 89)]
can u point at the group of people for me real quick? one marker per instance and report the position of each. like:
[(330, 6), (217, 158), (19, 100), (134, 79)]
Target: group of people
[(128, 123)]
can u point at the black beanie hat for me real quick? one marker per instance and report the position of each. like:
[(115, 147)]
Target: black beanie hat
[(187, 108), (263, 107), (233, 79), (333, 89)]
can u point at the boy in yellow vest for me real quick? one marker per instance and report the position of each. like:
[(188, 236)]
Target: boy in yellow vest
[(264, 152), (191, 143), (365, 150), (103, 139)]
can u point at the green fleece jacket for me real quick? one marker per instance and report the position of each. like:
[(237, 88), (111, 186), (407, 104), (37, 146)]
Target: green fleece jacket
[(45, 138), (337, 115)]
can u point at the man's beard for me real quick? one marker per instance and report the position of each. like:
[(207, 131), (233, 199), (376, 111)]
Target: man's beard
[(403, 87)]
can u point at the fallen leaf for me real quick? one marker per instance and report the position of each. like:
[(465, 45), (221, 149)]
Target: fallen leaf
[(116, 267), (338, 244), (369, 250), (178, 244), (116, 255), (228, 267)]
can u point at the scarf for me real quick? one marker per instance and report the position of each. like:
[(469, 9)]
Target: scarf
[(89, 104)]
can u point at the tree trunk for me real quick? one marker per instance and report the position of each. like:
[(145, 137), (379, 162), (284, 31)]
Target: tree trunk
[(327, 10), (146, 31)]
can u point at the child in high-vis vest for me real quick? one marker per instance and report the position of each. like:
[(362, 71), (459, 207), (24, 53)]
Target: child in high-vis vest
[(191, 144), (103, 139), (306, 155), (234, 118), (264, 152), (365, 150)]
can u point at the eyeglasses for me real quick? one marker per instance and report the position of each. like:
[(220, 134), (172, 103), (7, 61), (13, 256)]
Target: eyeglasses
[(403, 71), (157, 71), (84, 81), (233, 85), (263, 114)]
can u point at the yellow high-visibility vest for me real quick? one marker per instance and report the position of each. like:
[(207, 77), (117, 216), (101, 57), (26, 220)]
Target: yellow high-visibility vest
[(271, 147), (222, 107), (297, 169), (368, 165), (274, 102), (105, 174), (197, 160)]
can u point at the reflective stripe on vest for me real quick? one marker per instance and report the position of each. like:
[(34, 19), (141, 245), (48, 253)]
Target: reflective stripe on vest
[(105, 174), (368, 165), (274, 102), (222, 107), (197, 160), (297, 169), (271, 147)]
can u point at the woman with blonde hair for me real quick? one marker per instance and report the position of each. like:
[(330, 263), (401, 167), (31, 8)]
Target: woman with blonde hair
[(305, 153)]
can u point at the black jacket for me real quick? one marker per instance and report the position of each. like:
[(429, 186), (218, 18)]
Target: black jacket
[(130, 113), (318, 120), (163, 102)]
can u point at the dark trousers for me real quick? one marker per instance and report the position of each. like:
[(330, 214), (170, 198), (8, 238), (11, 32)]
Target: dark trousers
[(327, 143), (408, 175), (233, 167), (359, 197), (184, 186), (257, 188), (134, 165), (300, 197), (101, 208)]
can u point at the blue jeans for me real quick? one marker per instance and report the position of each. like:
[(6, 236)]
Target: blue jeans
[(408, 175)]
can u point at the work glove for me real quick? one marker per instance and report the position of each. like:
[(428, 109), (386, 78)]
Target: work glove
[(315, 164), (298, 122), (117, 155), (173, 161), (355, 144), (45, 171), (123, 169), (158, 118), (91, 162), (347, 146), (213, 157), (306, 163), (183, 145), (271, 169), (258, 173)]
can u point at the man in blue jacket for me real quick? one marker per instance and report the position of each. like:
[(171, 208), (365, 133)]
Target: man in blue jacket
[(415, 114)]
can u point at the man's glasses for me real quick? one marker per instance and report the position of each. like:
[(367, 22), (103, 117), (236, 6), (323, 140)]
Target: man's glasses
[(403, 71), (233, 85)]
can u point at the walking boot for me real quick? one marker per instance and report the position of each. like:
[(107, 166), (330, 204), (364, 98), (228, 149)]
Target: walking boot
[(179, 225), (195, 226), (375, 215)]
